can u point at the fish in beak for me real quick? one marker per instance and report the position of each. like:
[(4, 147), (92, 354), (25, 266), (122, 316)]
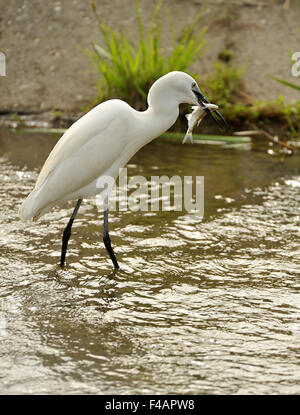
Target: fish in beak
[(214, 114)]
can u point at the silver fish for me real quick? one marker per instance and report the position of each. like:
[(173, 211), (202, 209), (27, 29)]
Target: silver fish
[(195, 118)]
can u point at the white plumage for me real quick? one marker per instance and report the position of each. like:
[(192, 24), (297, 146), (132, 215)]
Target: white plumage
[(102, 142)]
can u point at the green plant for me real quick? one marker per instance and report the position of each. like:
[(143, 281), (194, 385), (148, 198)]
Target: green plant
[(127, 69), (291, 112), (283, 82), (289, 84), (57, 114), (15, 117), (220, 86), (226, 55)]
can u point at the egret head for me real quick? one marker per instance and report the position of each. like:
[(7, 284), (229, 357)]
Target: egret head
[(176, 88)]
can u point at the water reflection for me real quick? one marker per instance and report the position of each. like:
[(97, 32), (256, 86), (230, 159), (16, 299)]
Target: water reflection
[(199, 307)]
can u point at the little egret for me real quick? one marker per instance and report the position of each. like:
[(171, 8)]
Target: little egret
[(103, 141)]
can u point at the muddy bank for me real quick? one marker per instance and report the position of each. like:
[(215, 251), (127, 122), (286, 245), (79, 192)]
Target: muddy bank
[(47, 70)]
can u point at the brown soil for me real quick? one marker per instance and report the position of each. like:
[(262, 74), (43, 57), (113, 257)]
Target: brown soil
[(46, 70)]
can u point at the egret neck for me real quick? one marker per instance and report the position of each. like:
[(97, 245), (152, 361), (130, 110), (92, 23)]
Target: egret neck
[(153, 122)]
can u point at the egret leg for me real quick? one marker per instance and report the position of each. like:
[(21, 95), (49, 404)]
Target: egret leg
[(67, 234), (106, 240)]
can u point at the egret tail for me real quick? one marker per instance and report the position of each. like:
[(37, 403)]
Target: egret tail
[(28, 209), (35, 205)]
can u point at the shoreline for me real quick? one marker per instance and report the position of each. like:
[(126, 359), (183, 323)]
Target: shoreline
[(46, 69)]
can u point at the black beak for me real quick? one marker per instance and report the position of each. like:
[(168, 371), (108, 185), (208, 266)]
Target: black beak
[(220, 121)]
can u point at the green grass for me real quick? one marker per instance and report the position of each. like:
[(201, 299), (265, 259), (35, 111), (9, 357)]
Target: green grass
[(291, 112), (127, 68), (223, 88), (289, 84), (221, 85)]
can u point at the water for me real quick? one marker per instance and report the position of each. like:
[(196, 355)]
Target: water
[(207, 307)]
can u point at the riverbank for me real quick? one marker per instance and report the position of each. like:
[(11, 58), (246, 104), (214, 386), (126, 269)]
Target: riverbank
[(50, 81)]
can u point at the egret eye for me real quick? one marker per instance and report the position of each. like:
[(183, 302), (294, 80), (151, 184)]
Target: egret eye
[(194, 85)]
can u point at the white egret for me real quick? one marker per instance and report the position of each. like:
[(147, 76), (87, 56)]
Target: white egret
[(103, 141)]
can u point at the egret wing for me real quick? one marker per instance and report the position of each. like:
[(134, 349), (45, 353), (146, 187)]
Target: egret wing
[(82, 156), (78, 135)]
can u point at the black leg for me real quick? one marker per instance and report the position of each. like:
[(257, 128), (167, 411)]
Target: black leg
[(67, 233), (106, 240)]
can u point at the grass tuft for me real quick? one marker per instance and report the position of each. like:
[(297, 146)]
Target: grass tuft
[(127, 69)]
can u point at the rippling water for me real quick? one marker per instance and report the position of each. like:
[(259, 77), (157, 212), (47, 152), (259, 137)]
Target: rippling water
[(205, 307)]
